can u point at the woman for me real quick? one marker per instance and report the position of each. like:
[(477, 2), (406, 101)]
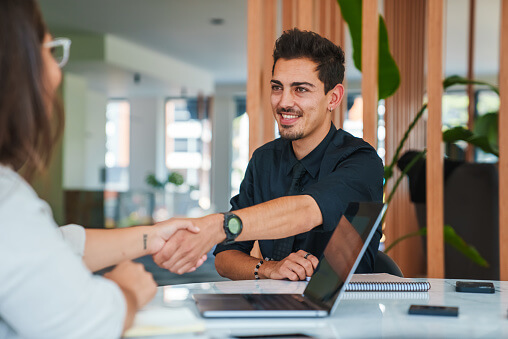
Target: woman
[(47, 289)]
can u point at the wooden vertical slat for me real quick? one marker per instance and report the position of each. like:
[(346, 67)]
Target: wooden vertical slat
[(288, 14), (254, 48), (435, 219), (503, 144), (405, 23), (269, 18), (470, 75), (370, 43), (305, 14)]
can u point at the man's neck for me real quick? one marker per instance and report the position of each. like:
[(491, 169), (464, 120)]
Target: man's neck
[(304, 146)]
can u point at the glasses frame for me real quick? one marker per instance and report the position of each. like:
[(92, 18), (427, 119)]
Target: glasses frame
[(66, 44)]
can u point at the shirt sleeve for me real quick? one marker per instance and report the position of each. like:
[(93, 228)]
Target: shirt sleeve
[(46, 290), (242, 200), (75, 236), (357, 178)]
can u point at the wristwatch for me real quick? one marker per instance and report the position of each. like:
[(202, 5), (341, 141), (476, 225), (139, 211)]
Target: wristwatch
[(232, 227)]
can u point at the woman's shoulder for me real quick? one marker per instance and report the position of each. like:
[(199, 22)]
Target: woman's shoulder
[(17, 197)]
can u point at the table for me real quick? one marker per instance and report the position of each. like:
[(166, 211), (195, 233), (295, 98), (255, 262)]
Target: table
[(360, 314)]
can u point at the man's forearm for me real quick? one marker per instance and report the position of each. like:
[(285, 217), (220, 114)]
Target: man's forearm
[(235, 265), (279, 218)]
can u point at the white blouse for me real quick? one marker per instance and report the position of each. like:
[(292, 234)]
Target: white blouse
[(46, 291)]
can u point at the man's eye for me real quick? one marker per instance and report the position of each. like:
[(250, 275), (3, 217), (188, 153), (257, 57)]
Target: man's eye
[(301, 89), (276, 88)]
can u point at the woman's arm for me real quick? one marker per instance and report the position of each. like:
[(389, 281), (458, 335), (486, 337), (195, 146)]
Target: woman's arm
[(104, 248)]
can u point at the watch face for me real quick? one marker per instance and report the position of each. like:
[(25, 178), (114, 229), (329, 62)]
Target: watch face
[(234, 225)]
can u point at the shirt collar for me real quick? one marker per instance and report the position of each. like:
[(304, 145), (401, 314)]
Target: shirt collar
[(312, 161)]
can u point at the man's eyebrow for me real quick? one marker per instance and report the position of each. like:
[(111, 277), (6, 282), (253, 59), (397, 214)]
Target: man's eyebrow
[(276, 82), (296, 84)]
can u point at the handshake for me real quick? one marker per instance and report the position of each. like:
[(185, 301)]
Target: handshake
[(180, 244)]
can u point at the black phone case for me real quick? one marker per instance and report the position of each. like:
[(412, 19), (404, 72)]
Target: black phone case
[(474, 287), (446, 311)]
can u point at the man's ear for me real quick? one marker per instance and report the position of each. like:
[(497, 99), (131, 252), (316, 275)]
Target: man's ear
[(336, 95)]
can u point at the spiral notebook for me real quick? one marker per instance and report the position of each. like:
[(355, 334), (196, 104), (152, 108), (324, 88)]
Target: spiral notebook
[(384, 282)]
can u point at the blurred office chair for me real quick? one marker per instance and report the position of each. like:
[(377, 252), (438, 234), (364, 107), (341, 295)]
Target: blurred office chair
[(385, 264)]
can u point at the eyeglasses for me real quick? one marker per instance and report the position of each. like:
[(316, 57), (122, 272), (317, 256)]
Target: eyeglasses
[(60, 48)]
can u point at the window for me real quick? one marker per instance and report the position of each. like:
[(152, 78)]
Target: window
[(188, 152), (240, 158), (117, 145), (353, 122)]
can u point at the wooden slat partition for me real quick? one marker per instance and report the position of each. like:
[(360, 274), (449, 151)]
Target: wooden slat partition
[(435, 218), (254, 48), (405, 23), (503, 143), (269, 28), (470, 75), (370, 43), (305, 14)]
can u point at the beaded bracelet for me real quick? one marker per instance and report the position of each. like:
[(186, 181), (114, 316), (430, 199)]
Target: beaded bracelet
[(256, 275)]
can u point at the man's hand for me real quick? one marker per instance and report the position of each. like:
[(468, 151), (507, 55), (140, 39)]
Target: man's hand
[(294, 267), (163, 231), (185, 251)]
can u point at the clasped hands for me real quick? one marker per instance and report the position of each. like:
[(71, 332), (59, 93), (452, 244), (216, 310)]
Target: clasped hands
[(180, 244), (296, 266)]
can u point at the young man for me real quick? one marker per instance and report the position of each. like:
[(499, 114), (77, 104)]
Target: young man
[(298, 184)]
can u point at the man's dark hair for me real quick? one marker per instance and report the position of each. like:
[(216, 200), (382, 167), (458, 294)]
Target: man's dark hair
[(295, 44)]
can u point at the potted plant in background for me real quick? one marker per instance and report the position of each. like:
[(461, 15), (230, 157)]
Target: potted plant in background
[(164, 194), (388, 83), (470, 193)]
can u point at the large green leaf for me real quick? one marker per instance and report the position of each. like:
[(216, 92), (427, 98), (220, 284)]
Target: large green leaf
[(388, 72), (453, 239), (458, 80)]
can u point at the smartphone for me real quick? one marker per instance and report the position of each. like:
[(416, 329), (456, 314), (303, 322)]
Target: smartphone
[(474, 287), (446, 311)]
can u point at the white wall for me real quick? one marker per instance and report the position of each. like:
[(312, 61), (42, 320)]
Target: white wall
[(145, 113), (84, 144), (224, 111)]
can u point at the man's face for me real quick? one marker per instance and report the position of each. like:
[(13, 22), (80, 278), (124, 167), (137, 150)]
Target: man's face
[(299, 102)]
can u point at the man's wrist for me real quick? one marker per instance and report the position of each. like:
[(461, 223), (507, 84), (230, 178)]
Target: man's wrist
[(218, 226), (265, 270)]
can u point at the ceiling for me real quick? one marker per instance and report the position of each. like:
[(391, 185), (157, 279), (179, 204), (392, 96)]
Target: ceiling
[(182, 29), (179, 28)]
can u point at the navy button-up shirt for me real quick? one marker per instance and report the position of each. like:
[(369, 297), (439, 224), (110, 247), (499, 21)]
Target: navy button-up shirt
[(341, 169)]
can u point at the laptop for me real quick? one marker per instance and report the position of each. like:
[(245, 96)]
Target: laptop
[(337, 265)]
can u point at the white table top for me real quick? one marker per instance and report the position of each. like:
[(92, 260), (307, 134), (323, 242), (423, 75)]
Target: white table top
[(359, 314)]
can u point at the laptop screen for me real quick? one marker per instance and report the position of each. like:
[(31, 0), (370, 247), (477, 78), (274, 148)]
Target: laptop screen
[(343, 252)]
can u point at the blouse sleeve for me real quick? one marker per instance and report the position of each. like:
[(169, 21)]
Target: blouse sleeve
[(46, 290)]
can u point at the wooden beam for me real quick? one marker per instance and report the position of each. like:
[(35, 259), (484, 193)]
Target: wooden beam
[(305, 14), (503, 144), (269, 26), (288, 14), (470, 76), (370, 47), (254, 48), (435, 219)]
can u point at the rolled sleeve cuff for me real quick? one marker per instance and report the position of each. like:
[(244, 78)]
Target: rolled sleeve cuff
[(331, 209), (75, 236), (242, 246)]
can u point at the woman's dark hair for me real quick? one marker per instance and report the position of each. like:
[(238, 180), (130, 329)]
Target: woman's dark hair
[(28, 131), (295, 44)]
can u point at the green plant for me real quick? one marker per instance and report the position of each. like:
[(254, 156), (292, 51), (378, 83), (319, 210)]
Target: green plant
[(172, 178), (484, 136), (388, 83), (388, 72)]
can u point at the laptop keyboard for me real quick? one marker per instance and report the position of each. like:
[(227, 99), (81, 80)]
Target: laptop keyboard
[(277, 302)]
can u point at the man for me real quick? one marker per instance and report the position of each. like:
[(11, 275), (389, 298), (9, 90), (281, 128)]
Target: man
[(298, 184)]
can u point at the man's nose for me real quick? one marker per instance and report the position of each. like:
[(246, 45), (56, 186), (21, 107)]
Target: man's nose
[(286, 99)]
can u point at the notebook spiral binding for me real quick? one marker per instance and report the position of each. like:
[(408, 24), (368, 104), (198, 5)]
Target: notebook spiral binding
[(412, 286)]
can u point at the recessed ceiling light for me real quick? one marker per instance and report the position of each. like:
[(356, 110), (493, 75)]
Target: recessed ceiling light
[(217, 21)]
